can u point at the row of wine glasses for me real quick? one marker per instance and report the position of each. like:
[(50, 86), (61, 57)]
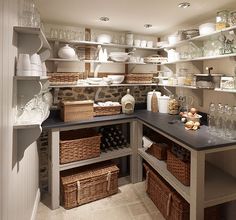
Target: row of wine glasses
[(66, 34), (222, 120)]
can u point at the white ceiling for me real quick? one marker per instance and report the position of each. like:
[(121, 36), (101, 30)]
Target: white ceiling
[(131, 15)]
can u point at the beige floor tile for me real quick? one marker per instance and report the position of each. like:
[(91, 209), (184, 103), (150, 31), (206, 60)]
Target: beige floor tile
[(138, 209), (118, 213), (131, 203)]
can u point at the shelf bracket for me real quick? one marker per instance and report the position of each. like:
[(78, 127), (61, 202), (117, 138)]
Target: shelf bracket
[(97, 94), (132, 68), (96, 70)]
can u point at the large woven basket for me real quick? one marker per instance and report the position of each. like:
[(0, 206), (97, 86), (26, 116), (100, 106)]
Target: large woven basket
[(169, 202), (179, 168), (106, 110), (78, 145), (139, 78), (64, 78), (83, 185)]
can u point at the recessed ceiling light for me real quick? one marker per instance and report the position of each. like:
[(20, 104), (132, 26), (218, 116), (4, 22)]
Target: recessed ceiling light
[(184, 5), (104, 18), (147, 25)]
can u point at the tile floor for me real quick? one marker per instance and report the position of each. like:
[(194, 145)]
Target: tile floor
[(130, 203)]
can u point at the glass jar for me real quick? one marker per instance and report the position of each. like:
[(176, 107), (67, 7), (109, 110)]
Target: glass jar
[(232, 18), (222, 20), (173, 106)]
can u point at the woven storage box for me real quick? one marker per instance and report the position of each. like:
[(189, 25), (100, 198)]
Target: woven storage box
[(179, 168), (166, 199), (139, 78), (63, 78), (107, 110), (78, 145), (83, 185), (76, 110), (158, 150)]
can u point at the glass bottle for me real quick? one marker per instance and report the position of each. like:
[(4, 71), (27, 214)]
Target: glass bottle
[(222, 20), (173, 106), (219, 120), (212, 119)]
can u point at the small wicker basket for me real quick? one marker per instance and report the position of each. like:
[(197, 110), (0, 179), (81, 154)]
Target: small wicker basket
[(179, 168), (78, 145), (139, 78), (107, 110), (158, 150), (83, 185), (63, 78)]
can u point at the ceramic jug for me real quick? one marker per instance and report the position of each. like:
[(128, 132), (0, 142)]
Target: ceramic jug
[(128, 103), (66, 52)]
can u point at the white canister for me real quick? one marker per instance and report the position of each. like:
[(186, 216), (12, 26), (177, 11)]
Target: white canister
[(149, 99), (150, 44), (163, 104), (129, 39), (66, 52), (143, 43)]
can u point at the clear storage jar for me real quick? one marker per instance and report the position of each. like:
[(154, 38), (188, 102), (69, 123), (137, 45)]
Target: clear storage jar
[(222, 20), (232, 18)]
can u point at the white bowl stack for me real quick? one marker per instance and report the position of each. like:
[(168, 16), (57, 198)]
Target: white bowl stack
[(30, 65)]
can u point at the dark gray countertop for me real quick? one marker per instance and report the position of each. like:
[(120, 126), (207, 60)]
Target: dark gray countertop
[(198, 140)]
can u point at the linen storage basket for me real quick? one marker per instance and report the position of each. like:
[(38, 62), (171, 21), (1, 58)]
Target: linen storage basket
[(76, 110), (86, 184), (78, 145), (167, 200), (180, 169)]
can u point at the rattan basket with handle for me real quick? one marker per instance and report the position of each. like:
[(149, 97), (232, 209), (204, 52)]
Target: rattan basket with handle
[(83, 185)]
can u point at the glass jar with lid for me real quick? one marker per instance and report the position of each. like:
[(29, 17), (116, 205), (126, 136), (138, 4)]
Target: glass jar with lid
[(232, 18), (173, 106), (222, 20)]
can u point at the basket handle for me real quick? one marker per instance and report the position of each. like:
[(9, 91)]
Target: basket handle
[(78, 192), (146, 182), (108, 180), (168, 204)]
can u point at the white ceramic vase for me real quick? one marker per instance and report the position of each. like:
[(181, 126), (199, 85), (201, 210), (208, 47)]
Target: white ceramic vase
[(128, 103), (66, 52)]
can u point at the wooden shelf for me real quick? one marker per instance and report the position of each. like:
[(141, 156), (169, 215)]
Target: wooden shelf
[(26, 126), (97, 61), (112, 85), (220, 187), (161, 168), (200, 37), (94, 43), (35, 31), (202, 58), (31, 78), (225, 90), (104, 156), (179, 86)]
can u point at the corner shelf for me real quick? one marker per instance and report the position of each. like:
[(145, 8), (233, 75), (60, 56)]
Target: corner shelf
[(26, 126), (226, 90), (179, 86), (103, 157), (38, 78)]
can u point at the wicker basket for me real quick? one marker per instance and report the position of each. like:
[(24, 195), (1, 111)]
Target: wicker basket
[(106, 110), (78, 145), (63, 78), (139, 78), (179, 168), (169, 202), (158, 150), (83, 185)]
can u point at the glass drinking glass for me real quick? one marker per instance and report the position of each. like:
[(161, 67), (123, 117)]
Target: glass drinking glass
[(212, 119), (219, 120), (228, 122)]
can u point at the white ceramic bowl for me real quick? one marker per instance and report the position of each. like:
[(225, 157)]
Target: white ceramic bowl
[(104, 38), (207, 28), (119, 56), (173, 39), (116, 79), (195, 118)]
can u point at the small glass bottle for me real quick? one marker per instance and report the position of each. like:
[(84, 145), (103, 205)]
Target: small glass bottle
[(173, 106), (222, 20)]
